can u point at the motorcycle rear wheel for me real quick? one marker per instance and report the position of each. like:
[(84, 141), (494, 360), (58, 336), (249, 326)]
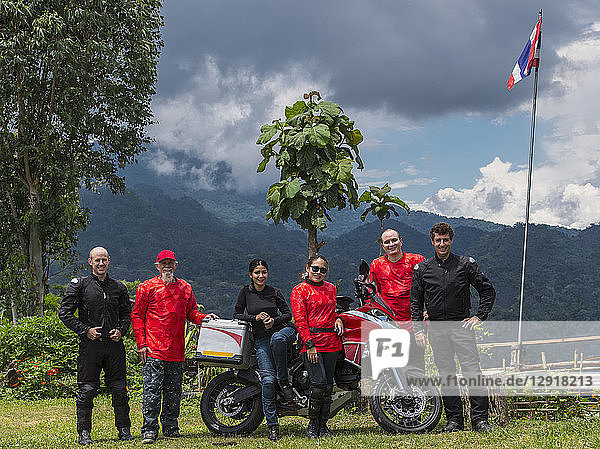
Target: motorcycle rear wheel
[(223, 417), (417, 412)]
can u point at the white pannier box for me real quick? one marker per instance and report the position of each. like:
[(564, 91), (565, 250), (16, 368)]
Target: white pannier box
[(224, 343)]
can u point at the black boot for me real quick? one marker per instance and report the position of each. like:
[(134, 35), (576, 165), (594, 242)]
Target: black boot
[(324, 412), (323, 429), (124, 434), (274, 433), (313, 428), (85, 437), (314, 411)]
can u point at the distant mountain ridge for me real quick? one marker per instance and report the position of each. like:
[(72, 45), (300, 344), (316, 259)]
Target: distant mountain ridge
[(240, 207), (214, 253)]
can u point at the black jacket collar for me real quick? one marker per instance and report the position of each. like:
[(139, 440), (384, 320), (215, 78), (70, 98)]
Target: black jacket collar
[(316, 284)]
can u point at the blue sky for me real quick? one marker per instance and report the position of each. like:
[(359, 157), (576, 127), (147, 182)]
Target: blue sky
[(425, 82)]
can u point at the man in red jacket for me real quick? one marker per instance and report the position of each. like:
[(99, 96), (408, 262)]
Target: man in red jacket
[(392, 275), (162, 304)]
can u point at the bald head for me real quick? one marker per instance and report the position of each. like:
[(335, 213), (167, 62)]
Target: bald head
[(392, 244), (98, 250), (99, 260), (390, 232)]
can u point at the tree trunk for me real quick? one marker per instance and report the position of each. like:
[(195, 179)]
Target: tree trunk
[(36, 263), (15, 316), (380, 241), (313, 244)]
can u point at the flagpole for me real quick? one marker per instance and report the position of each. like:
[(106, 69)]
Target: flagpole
[(527, 207)]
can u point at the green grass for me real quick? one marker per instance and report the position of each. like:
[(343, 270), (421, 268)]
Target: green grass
[(51, 424)]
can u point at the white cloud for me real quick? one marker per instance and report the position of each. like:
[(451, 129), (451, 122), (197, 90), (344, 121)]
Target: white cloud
[(162, 164), (566, 187), (412, 182), (411, 170), (218, 118)]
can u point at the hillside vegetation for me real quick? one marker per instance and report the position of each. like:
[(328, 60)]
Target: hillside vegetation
[(213, 254)]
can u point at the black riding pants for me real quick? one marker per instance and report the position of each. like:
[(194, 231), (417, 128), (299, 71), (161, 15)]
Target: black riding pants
[(449, 339), (96, 356), (321, 383)]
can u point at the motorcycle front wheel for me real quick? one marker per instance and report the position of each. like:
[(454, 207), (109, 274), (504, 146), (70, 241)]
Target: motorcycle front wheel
[(418, 411), (222, 415)]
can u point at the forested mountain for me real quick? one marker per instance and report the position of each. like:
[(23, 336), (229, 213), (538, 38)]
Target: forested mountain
[(562, 281), (235, 207)]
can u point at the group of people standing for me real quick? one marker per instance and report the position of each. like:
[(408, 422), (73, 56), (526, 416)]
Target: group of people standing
[(412, 286)]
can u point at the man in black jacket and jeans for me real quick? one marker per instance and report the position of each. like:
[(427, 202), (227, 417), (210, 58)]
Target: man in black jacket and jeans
[(104, 316), (442, 285)]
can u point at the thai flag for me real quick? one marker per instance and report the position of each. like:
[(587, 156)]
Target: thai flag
[(530, 57)]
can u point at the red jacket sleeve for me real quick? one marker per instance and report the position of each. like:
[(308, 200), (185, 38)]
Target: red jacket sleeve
[(192, 313), (138, 316), (298, 302)]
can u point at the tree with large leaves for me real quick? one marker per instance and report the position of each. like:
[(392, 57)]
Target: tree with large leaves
[(381, 204), (76, 82), (315, 148)]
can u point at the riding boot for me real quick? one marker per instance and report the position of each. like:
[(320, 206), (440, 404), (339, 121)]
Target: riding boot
[(324, 412), (312, 430), (314, 412)]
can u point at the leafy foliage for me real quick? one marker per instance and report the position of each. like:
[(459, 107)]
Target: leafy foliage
[(315, 148), (381, 203), (38, 345), (41, 355), (76, 81)]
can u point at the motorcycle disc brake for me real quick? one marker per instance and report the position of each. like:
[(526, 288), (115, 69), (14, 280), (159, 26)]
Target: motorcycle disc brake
[(408, 406), (226, 406)]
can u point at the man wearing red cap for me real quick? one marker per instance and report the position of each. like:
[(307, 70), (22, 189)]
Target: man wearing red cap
[(162, 305)]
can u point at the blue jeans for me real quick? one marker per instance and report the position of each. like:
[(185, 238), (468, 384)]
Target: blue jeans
[(271, 355)]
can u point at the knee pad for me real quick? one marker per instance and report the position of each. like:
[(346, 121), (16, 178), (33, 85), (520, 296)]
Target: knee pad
[(119, 392), (318, 391), (86, 394)]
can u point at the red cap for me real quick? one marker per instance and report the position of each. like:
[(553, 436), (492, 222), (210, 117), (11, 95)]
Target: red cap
[(165, 254)]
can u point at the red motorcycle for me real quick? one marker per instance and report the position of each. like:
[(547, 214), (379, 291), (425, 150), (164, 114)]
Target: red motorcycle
[(231, 403)]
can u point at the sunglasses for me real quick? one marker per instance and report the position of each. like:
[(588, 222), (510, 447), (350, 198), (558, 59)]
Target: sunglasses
[(316, 269)]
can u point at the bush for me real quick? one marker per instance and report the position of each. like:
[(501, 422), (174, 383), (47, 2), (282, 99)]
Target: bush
[(38, 358), (38, 377), (34, 336)]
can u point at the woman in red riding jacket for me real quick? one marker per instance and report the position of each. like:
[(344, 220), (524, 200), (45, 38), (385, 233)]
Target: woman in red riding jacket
[(313, 307)]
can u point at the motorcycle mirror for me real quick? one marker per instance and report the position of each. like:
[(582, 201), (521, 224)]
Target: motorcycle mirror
[(363, 268)]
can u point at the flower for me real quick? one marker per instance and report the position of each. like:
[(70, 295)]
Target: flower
[(43, 383), (52, 371)]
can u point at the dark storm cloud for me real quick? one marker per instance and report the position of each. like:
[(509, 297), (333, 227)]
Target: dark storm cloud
[(416, 58)]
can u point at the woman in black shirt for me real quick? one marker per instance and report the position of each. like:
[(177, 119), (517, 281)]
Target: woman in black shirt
[(265, 309)]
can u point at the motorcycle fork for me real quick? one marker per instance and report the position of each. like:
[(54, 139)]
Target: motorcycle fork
[(400, 379)]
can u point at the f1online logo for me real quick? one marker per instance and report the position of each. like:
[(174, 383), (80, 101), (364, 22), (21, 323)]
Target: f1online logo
[(389, 349)]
